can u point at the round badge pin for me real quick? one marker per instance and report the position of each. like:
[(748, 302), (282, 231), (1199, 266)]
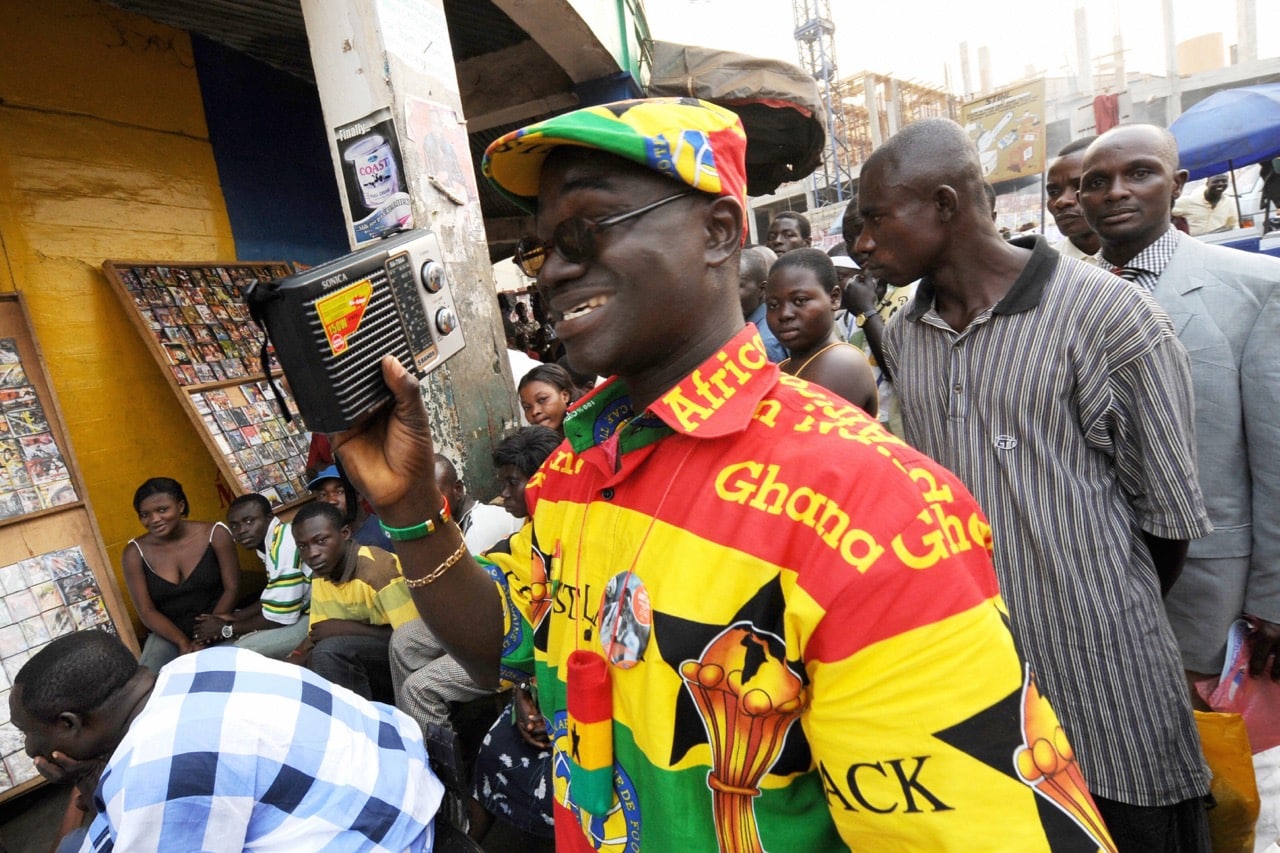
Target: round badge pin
[(625, 620)]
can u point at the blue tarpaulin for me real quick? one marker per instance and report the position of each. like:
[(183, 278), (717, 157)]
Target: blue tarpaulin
[(1228, 129)]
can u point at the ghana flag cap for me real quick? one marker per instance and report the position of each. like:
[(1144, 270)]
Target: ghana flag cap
[(695, 142)]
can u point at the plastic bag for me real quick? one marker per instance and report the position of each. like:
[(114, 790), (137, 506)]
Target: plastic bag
[(1237, 692), (1226, 748)]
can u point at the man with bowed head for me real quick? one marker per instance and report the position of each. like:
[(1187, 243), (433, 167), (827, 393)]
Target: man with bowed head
[(741, 634), (484, 525), (223, 750), (276, 623), (1060, 396)]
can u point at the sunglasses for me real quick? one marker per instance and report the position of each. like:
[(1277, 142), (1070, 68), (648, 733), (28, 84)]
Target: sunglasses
[(575, 238)]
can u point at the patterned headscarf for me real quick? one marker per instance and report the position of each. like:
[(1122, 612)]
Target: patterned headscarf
[(692, 141)]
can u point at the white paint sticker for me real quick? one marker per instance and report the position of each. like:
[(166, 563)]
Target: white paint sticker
[(415, 32)]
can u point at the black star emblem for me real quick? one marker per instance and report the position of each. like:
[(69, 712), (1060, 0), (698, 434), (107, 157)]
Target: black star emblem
[(992, 736), (679, 640)]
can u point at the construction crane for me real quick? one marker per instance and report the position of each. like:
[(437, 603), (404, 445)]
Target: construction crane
[(815, 42)]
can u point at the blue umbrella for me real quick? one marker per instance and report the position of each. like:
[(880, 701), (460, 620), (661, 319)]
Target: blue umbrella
[(1234, 127)]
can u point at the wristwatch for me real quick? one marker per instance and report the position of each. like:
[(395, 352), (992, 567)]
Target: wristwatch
[(228, 632), (860, 320)]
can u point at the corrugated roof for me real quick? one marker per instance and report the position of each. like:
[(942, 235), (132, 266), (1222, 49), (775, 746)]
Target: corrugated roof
[(273, 31)]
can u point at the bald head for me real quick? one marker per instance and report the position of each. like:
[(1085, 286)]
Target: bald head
[(451, 486), (924, 208), (1129, 182), (1153, 140), (769, 256), (752, 274), (753, 265), (445, 469), (932, 153)]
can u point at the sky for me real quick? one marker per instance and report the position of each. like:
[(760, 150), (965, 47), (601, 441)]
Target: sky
[(920, 39)]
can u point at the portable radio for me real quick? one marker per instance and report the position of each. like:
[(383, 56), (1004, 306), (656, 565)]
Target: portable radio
[(332, 324)]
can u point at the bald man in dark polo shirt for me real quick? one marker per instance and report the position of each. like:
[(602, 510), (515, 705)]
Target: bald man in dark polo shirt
[(1061, 397)]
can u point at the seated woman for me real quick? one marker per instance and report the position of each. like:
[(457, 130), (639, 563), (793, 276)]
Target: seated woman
[(512, 776), (801, 299), (545, 395), (177, 571)]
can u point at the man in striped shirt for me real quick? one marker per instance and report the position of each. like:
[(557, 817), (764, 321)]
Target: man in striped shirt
[(1062, 398)]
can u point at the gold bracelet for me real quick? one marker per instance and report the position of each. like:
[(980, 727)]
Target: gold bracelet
[(439, 570)]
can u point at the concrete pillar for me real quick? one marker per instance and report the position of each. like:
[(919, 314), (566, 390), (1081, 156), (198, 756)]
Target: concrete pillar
[(984, 71), (872, 99), (1173, 106), (1120, 81), (1246, 31), (1084, 59), (893, 105), (966, 76), (388, 64)]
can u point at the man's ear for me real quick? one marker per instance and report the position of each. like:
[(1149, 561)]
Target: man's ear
[(837, 296), (71, 721), (947, 202), (1179, 181), (345, 532), (724, 218)]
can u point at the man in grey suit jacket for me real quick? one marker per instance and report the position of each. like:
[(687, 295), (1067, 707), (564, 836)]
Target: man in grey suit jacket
[(1225, 305)]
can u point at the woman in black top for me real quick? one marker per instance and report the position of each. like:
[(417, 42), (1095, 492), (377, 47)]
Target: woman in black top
[(177, 571)]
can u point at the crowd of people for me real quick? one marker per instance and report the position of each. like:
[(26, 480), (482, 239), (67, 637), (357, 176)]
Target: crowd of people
[(928, 542), (335, 603)]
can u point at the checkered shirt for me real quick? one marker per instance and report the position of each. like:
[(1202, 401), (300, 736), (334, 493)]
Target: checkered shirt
[(1147, 265), (235, 751)]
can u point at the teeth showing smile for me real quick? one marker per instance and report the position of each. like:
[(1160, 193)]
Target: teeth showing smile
[(585, 308)]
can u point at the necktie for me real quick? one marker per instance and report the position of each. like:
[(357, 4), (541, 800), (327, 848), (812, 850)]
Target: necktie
[(1126, 273)]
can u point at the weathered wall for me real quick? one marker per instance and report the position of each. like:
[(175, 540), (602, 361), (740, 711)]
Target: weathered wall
[(270, 145), (104, 154)]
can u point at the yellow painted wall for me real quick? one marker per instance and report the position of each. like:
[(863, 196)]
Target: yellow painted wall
[(104, 154)]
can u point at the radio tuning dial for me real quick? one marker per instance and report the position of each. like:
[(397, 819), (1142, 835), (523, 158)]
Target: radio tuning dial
[(446, 322), (432, 276)]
